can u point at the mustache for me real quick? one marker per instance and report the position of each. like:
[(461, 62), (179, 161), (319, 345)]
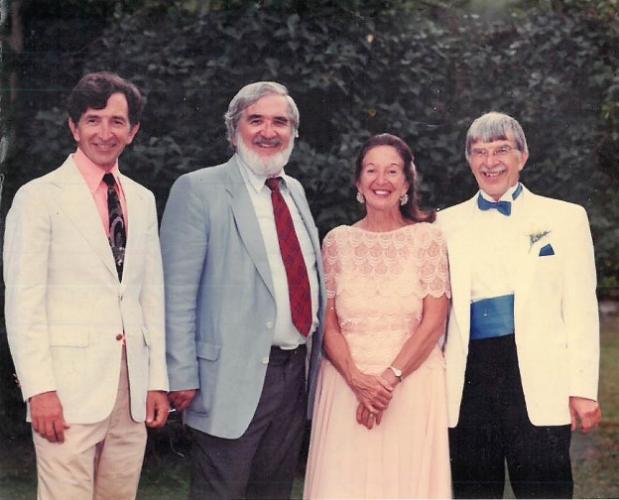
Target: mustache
[(263, 141)]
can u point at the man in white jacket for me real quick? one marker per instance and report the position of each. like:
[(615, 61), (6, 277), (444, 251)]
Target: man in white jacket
[(522, 346), (85, 304)]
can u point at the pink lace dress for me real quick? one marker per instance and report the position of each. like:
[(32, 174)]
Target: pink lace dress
[(379, 281)]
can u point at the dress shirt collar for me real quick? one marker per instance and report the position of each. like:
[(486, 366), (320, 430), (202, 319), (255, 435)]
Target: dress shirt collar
[(507, 195), (256, 181), (92, 173)]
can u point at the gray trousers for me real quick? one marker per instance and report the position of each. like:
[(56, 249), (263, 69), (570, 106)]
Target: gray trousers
[(263, 461)]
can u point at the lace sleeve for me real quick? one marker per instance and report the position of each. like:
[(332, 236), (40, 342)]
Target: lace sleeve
[(433, 263), (331, 263)]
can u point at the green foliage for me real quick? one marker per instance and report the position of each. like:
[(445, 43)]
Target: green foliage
[(357, 69), (420, 69), (417, 69)]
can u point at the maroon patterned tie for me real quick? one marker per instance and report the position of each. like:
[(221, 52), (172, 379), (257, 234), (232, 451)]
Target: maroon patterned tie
[(296, 272)]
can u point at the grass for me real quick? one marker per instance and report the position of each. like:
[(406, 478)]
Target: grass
[(595, 457)]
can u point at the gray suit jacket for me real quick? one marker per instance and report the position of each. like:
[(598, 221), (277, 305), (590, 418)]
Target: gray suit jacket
[(220, 308)]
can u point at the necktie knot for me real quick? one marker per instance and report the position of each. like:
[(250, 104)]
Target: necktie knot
[(109, 180), (273, 183)]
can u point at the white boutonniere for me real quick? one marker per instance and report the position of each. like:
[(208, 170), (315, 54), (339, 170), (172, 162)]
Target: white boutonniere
[(536, 236)]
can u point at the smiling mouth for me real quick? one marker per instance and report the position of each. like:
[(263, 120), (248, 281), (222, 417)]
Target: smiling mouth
[(267, 144), (105, 147), (490, 174)]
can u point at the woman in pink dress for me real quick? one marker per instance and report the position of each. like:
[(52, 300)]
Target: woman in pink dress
[(380, 418)]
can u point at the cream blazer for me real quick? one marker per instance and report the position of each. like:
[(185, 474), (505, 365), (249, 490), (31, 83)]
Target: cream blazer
[(556, 314), (65, 305)]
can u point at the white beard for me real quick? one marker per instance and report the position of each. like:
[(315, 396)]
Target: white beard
[(261, 165)]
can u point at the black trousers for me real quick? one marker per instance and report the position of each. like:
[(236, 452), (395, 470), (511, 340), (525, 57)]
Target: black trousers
[(494, 427), (263, 461)]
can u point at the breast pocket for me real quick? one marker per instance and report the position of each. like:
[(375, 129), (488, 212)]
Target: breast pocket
[(548, 273)]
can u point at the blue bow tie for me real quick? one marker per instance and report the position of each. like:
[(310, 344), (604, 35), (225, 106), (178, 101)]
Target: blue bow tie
[(504, 207)]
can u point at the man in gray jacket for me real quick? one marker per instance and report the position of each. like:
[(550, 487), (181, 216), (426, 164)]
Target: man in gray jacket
[(243, 300)]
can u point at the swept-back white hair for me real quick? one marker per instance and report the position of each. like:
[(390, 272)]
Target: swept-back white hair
[(249, 95), (494, 126)]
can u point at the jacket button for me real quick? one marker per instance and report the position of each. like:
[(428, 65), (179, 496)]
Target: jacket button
[(119, 336), (265, 360), (269, 324)]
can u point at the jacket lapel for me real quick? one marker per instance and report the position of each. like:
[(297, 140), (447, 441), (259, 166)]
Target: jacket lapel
[(247, 223), (78, 205), (531, 222), (135, 222), (461, 254), (306, 216)]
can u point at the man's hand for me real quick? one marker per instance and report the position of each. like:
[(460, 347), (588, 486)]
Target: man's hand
[(47, 416), (157, 409), (586, 412), (182, 399)]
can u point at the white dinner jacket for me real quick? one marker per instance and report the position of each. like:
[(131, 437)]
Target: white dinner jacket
[(65, 306), (556, 314)]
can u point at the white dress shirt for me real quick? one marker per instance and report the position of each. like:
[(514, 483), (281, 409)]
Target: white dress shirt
[(285, 334), (494, 263)]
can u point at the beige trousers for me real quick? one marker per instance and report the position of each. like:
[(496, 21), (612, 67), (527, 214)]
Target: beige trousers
[(99, 461)]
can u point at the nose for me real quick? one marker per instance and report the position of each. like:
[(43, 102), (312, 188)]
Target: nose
[(267, 130), (104, 131), (492, 159)]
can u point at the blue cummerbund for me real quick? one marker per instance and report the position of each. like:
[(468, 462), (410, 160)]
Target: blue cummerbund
[(492, 317)]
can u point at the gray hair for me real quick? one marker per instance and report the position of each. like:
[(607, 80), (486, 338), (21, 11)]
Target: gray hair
[(495, 126), (249, 95)]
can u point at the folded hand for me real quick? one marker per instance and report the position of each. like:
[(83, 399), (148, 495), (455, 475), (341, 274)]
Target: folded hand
[(367, 418), (372, 391)]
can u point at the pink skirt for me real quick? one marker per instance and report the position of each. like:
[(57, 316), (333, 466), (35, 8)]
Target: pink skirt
[(406, 456)]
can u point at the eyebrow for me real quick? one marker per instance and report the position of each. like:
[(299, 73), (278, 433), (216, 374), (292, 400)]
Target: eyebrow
[(97, 115), (506, 143), (277, 117)]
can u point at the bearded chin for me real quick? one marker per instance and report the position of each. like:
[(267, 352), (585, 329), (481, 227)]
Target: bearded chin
[(261, 165)]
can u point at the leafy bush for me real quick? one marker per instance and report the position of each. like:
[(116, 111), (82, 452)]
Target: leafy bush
[(355, 68), (368, 67)]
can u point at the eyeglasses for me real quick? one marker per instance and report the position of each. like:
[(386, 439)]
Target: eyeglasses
[(499, 152)]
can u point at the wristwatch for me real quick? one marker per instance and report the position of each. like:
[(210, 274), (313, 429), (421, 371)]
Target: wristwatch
[(397, 372)]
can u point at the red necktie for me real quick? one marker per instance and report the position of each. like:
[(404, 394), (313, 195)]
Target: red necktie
[(296, 272)]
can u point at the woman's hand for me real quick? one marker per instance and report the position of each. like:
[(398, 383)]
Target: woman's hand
[(366, 418), (372, 391)]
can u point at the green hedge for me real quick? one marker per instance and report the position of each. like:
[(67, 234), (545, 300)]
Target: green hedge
[(422, 73), (416, 69)]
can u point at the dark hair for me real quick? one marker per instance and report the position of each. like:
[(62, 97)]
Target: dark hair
[(411, 209), (94, 90)]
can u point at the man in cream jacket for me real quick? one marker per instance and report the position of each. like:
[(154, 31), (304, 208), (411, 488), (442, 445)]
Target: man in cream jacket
[(522, 346)]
